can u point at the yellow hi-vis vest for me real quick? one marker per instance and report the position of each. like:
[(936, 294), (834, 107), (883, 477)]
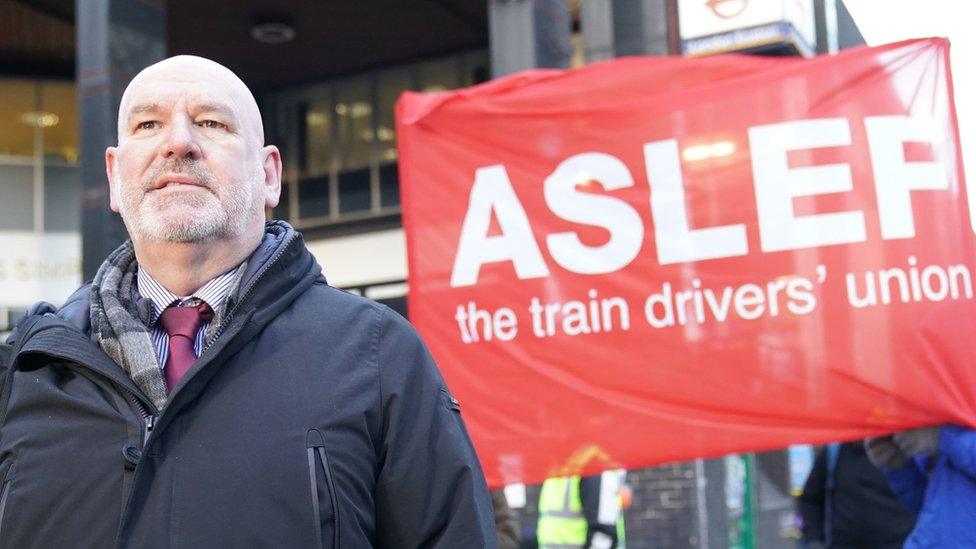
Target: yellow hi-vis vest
[(562, 524)]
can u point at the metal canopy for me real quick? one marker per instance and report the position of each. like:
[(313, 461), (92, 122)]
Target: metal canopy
[(332, 37)]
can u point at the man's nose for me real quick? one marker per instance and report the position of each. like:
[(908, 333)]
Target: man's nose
[(181, 141)]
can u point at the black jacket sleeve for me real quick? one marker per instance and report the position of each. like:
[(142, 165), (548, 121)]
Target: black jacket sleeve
[(590, 488), (430, 489), (813, 499)]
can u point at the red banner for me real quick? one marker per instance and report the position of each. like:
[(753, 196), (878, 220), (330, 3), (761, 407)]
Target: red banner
[(655, 259)]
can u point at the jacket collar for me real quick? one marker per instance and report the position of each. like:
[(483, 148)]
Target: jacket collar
[(278, 270)]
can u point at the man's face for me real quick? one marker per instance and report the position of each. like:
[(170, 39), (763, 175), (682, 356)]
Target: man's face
[(189, 166)]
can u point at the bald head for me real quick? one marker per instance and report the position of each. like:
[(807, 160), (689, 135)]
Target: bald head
[(197, 80), (191, 167)]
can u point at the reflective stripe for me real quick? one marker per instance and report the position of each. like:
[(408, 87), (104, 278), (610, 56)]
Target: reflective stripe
[(560, 514), (561, 520), (562, 524), (561, 494)]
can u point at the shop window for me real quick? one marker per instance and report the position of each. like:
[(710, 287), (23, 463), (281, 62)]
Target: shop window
[(62, 195), (313, 197), (338, 139), (58, 101), (440, 75), (38, 156), (18, 106), (389, 186), (17, 206), (315, 118), (355, 194), (391, 85)]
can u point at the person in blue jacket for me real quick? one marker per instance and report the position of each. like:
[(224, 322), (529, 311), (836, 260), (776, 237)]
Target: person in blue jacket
[(932, 470)]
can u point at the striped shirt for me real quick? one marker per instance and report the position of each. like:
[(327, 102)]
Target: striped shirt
[(213, 293)]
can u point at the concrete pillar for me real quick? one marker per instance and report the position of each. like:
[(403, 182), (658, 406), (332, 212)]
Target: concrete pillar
[(617, 28), (644, 27), (116, 39), (836, 29), (597, 26), (525, 34)]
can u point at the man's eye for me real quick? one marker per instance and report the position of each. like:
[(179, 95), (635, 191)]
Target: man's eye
[(150, 125), (212, 124)]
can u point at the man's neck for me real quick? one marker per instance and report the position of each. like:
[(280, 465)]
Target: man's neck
[(182, 268)]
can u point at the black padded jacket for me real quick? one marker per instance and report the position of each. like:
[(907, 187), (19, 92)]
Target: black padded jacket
[(315, 419)]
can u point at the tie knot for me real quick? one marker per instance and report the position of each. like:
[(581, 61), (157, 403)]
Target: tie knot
[(185, 321)]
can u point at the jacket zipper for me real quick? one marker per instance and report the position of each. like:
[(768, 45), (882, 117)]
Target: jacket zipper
[(149, 415), (314, 487), (315, 445), (148, 418), (250, 287), (332, 495)]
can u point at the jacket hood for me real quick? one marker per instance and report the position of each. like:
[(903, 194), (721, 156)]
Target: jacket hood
[(278, 271)]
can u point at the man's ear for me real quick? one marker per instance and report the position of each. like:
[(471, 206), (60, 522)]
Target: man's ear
[(111, 169), (271, 163)]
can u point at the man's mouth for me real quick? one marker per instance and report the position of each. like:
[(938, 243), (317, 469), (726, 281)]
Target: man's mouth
[(175, 181)]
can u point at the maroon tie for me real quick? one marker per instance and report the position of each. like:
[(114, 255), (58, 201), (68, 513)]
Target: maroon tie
[(181, 324)]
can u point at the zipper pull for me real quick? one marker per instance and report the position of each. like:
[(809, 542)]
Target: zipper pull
[(150, 423)]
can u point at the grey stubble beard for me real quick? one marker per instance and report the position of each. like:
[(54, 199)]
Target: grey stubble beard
[(217, 211)]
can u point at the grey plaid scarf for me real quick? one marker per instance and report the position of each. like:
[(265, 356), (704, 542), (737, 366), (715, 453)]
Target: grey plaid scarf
[(118, 326)]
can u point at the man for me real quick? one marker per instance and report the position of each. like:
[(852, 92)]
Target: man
[(846, 503), (208, 389), (932, 470), (582, 512)]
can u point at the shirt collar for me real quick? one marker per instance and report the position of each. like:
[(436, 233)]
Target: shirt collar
[(213, 292)]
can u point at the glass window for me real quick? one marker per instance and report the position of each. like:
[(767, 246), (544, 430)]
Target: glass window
[(354, 125), (475, 69), (439, 75), (17, 189), (17, 111), (62, 197), (38, 156), (60, 121), (313, 197), (314, 122), (391, 85), (355, 194), (390, 184), (338, 139), (315, 118)]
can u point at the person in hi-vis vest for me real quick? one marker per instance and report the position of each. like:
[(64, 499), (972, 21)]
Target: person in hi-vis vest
[(577, 512)]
